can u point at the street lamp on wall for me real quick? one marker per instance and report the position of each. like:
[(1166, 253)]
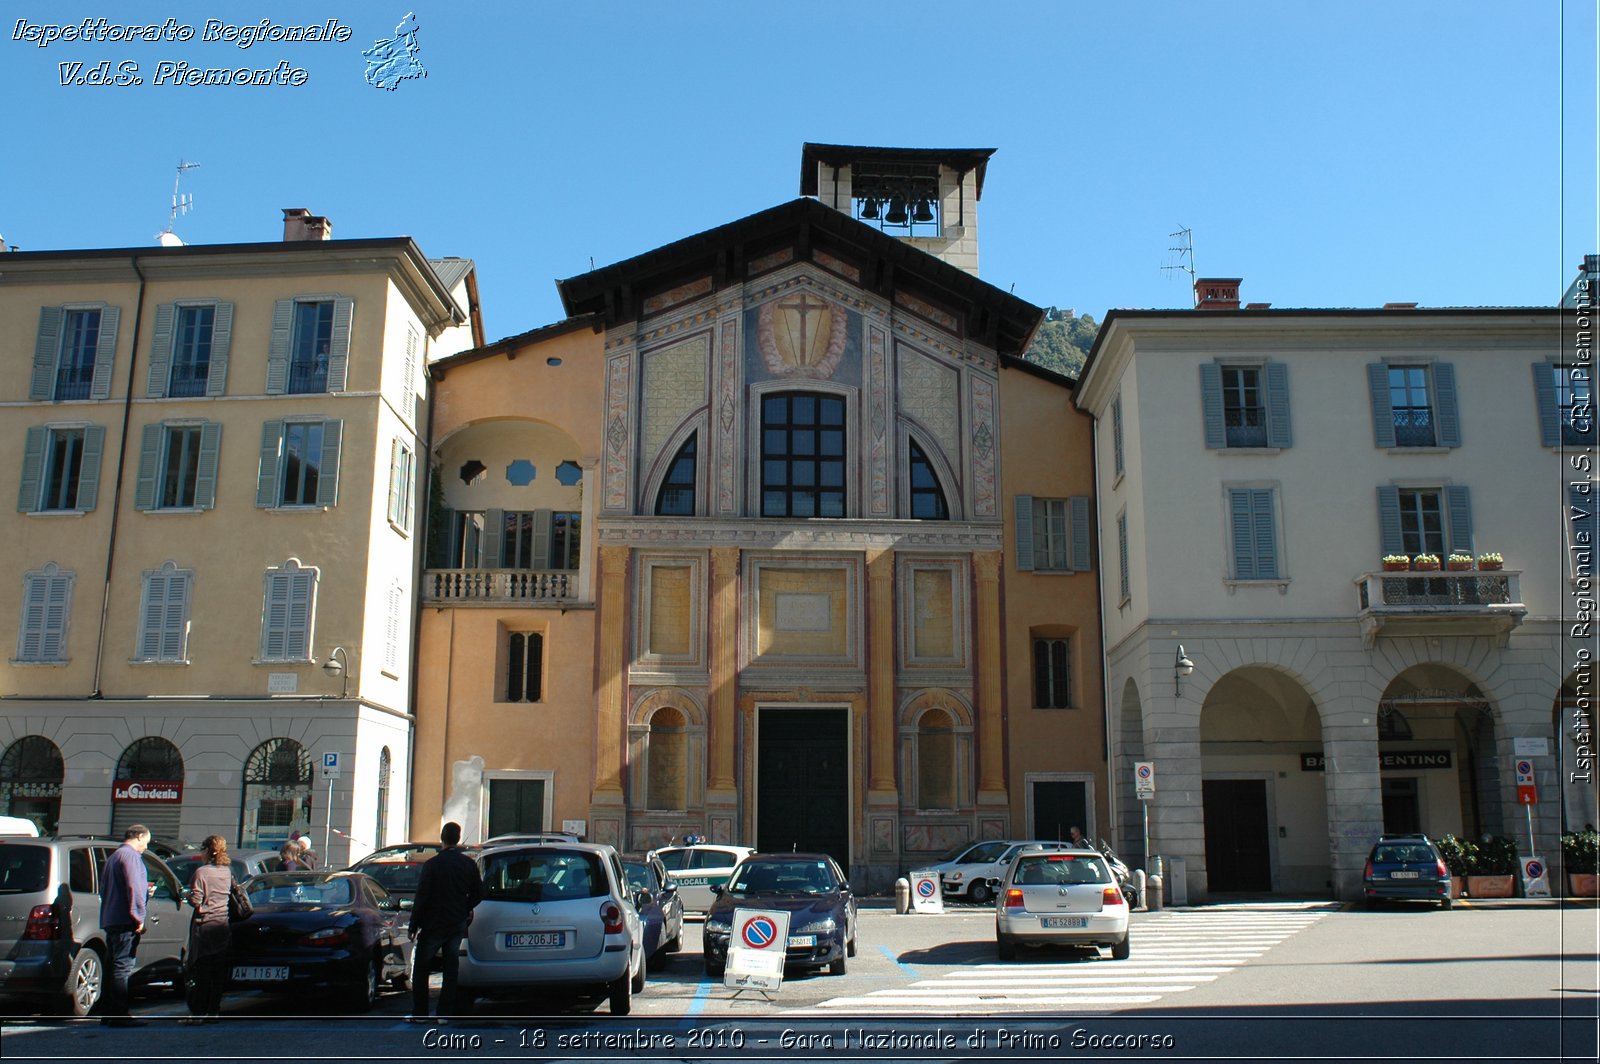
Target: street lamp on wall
[(338, 664), (1181, 667)]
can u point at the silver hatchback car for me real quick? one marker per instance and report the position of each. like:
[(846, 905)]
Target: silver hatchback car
[(554, 914), (1062, 898)]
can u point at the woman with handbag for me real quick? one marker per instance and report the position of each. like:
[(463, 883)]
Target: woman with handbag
[(208, 932)]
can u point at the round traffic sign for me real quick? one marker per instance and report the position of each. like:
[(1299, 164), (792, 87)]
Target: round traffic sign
[(1535, 869), (1144, 772), (1524, 768), (759, 932), (925, 887)]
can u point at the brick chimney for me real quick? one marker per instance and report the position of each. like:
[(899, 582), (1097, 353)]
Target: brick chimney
[(301, 224), (1217, 293)]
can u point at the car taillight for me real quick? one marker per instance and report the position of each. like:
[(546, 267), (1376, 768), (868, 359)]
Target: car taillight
[(1013, 898), (1111, 896), (328, 936), (1444, 873), (611, 914), (1367, 872), (42, 924)]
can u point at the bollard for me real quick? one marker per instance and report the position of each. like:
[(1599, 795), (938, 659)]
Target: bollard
[(1142, 885), (1153, 898), (902, 895)]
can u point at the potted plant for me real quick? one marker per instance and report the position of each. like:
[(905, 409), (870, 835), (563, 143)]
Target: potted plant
[(1396, 563), (1459, 563), (1491, 560), (1425, 563), (1580, 851), (1493, 870), (1458, 855)]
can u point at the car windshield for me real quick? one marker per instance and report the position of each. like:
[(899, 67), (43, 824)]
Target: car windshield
[(640, 877), (1059, 870), (23, 869), (782, 877), (543, 875), (279, 889), (674, 860)]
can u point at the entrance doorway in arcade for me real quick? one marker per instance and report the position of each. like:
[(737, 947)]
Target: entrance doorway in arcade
[(803, 782), (1057, 806), (1238, 851)]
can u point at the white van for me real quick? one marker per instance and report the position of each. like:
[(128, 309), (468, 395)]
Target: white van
[(967, 872), (18, 825)]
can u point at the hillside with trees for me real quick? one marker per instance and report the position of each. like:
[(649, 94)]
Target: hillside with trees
[(1063, 341)]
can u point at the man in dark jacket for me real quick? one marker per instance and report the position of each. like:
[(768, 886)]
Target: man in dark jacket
[(450, 888), (124, 889)]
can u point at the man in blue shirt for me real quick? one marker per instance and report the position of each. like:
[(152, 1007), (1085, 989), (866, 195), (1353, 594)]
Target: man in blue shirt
[(124, 889)]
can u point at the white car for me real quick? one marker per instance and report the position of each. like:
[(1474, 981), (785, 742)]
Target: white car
[(969, 872), (1060, 898), (696, 868), (554, 914)]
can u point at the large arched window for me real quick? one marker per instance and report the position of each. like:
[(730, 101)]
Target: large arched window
[(936, 760), (927, 497), (802, 455), (277, 794), (147, 761), (676, 497), (668, 757), (30, 781), (150, 759)]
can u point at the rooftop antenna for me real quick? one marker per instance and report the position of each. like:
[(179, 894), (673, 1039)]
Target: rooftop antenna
[(181, 205), (1184, 252)]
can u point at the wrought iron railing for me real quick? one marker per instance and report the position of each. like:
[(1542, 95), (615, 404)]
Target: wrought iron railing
[(1413, 426), (1246, 428), (501, 585), (1440, 590)]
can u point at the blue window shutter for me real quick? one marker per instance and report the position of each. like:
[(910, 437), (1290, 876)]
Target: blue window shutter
[(53, 631), (1444, 404), (1116, 434), (328, 474), (105, 355), (1265, 533), (30, 637), (1544, 391), (494, 529), (205, 479), (144, 491), (174, 617), (221, 339), (297, 641), (275, 614), (1279, 433), (1390, 540), (1082, 561), (94, 444), (278, 347), (1243, 534), (411, 492), (152, 616), (46, 350), (32, 468), (1458, 517), (339, 344), (1211, 405), (271, 450), (161, 351), (1382, 412), (1124, 578), (1024, 531)]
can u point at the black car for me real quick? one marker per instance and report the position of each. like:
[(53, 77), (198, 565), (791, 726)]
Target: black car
[(810, 887), (1406, 867), (660, 908), (327, 933)]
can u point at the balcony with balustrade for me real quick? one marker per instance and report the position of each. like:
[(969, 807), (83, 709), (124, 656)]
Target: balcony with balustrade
[(1470, 602), (557, 588)]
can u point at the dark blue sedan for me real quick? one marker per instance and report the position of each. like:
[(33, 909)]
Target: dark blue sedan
[(661, 912), (810, 888)]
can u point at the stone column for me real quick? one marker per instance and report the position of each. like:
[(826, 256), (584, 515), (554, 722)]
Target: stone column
[(991, 725), (607, 806), (722, 800), (883, 798), (1354, 789), (1172, 743)]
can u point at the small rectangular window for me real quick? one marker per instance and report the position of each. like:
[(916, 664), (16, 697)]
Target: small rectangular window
[(191, 351), (1052, 674), (180, 467), (46, 600), (1051, 535), (1243, 412), (80, 341), (63, 469), (1116, 435), (1413, 412), (1123, 583), (402, 480), (1575, 404), (524, 667), (302, 463), (311, 346), (1422, 523)]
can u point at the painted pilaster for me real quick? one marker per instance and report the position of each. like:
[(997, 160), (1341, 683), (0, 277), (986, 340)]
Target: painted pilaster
[(722, 801), (607, 799), (991, 725), (883, 799)]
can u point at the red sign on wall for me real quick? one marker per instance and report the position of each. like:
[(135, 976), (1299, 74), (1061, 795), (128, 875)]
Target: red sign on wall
[(147, 791)]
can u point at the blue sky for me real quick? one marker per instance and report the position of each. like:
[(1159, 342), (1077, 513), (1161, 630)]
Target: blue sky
[(1342, 154)]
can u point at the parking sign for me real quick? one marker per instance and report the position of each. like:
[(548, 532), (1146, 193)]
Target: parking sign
[(1144, 780), (330, 765)]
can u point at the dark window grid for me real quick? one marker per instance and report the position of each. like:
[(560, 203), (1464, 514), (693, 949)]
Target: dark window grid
[(1050, 545), (1412, 409), (525, 659), (1421, 523), (465, 540), (180, 468), (80, 341), (802, 466), (566, 539), (1052, 676), (927, 498), (1243, 416), (313, 339), (191, 356), (516, 544), (63, 471), (676, 498), (302, 462)]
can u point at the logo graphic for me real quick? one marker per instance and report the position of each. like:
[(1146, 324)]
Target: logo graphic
[(925, 887), (393, 61), (759, 932)]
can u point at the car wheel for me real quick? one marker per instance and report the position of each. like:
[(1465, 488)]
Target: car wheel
[(1006, 948), (713, 971), (1132, 896), (621, 995), (86, 982), (1120, 951), (979, 893), (850, 945), (638, 981), (366, 995), (676, 943), (1444, 903), (838, 965)]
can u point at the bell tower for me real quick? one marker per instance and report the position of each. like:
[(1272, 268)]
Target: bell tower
[(927, 197)]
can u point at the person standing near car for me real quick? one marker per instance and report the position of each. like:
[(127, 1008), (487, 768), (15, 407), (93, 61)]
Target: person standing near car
[(1079, 839), (209, 935), (449, 889), (124, 891)]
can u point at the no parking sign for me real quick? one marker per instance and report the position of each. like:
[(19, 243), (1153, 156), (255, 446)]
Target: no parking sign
[(758, 941), (1534, 881), (925, 894)]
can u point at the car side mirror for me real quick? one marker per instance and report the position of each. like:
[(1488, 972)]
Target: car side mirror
[(642, 899), (844, 887), (717, 890), (669, 890)]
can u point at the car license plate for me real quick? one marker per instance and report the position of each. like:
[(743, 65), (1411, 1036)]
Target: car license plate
[(802, 940), (1064, 921), (261, 973), (536, 939), (1402, 875)]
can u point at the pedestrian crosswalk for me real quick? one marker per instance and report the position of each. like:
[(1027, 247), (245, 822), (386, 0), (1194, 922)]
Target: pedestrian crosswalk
[(1173, 950)]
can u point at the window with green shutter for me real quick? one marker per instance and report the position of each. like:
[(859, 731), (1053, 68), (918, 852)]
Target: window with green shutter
[(1253, 533), (164, 614), (61, 468), (1566, 404), (1414, 405), (289, 603), (299, 463), (1053, 534), (46, 602)]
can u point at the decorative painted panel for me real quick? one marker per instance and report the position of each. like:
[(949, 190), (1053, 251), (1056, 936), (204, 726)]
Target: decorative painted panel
[(674, 385), (802, 336), (983, 447), (681, 294), (837, 265), (878, 424), (920, 306), (727, 416), (771, 261), (929, 392), (619, 377)]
